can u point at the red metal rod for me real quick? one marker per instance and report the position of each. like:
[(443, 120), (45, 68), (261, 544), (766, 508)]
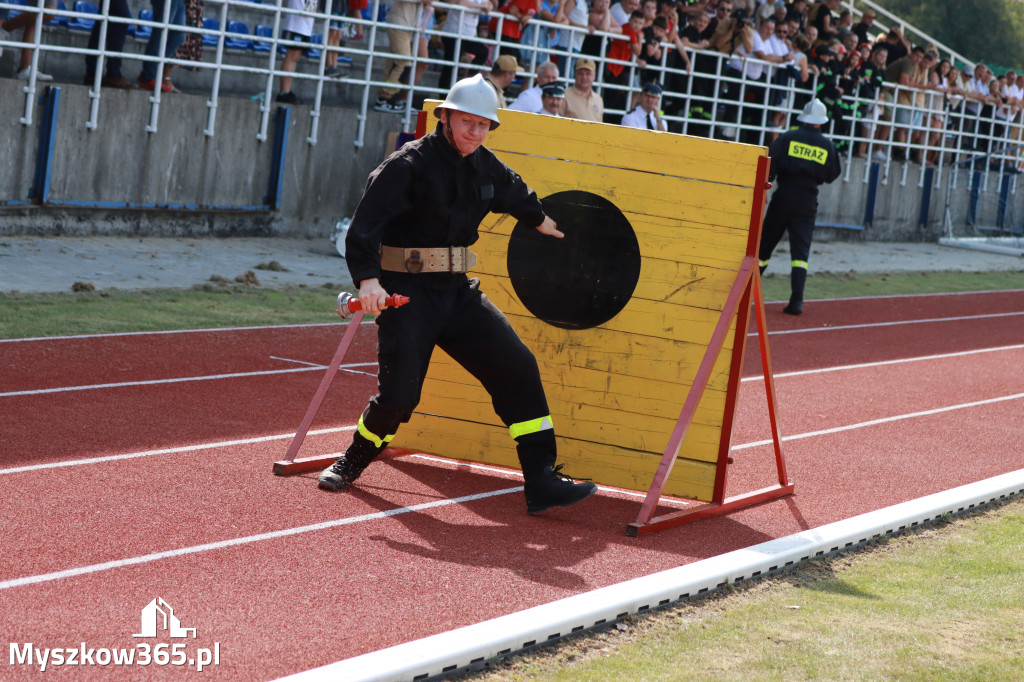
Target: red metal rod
[(325, 383)]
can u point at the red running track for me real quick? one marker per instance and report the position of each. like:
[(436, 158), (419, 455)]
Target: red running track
[(138, 466)]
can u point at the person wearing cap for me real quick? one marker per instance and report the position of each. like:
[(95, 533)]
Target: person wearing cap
[(529, 100), (801, 160), (647, 114), (410, 235), (501, 76), (580, 100), (551, 99), (863, 27)]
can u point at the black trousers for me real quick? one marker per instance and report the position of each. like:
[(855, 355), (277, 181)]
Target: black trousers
[(115, 39), (465, 324), (793, 212)]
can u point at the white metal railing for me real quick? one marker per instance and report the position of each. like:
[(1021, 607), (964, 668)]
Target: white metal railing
[(729, 101)]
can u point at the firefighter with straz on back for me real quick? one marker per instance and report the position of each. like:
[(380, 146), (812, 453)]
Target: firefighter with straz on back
[(802, 159), (410, 235)]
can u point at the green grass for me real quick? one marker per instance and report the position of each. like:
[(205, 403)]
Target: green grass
[(942, 603), (846, 285), (202, 307), (213, 305)]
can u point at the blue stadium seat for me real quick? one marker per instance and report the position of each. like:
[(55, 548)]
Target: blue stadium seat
[(238, 36), (82, 24), (142, 32), (13, 13), (264, 32), (59, 20), (210, 24)]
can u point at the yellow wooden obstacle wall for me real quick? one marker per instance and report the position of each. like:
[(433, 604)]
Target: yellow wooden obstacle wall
[(615, 390)]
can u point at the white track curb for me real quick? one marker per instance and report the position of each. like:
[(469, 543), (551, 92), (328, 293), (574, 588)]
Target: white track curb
[(473, 645)]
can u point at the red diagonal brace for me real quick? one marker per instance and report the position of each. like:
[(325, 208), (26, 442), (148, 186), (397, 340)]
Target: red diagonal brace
[(289, 465)]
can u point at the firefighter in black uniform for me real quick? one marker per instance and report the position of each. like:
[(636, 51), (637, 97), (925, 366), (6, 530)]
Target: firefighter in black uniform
[(802, 159), (409, 235)]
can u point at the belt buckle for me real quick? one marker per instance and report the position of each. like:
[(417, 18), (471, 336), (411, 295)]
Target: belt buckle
[(413, 263)]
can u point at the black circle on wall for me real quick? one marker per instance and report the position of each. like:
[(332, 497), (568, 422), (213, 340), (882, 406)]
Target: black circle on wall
[(585, 279)]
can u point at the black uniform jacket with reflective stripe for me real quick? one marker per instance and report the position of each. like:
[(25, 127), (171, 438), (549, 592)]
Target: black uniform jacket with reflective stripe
[(802, 159), (426, 195)]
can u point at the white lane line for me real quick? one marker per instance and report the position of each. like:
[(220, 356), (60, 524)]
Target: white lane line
[(882, 363), (120, 563), (168, 451), (154, 382), (892, 296), (884, 420), (931, 320), (245, 540), (167, 332)]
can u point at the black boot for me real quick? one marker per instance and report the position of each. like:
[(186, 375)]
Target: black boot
[(545, 484), (347, 468), (797, 278), (551, 488)]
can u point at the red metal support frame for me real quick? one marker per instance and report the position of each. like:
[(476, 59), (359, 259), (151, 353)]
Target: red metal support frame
[(746, 291), (290, 465)]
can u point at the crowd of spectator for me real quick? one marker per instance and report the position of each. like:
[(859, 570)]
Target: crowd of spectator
[(734, 69), (731, 69)]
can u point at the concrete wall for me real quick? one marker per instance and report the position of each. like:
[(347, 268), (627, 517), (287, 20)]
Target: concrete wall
[(121, 164), (223, 175)]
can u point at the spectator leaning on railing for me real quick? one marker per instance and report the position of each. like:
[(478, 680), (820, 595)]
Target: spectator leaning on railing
[(580, 100), (622, 51)]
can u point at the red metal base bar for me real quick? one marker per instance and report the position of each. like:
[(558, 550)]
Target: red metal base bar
[(289, 467), (678, 518)]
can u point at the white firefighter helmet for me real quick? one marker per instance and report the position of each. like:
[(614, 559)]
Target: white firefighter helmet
[(814, 113), (473, 96)]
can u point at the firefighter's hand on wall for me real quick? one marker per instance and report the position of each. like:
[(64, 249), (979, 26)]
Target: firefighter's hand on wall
[(372, 296), (550, 227)]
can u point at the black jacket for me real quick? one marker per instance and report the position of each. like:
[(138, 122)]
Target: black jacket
[(426, 195), (802, 159)]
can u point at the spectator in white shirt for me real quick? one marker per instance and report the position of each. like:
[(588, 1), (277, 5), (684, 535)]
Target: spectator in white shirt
[(647, 114), (530, 99)]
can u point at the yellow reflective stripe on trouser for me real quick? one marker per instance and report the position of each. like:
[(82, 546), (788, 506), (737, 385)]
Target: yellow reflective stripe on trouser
[(533, 426), (365, 433), (762, 263), (798, 264)]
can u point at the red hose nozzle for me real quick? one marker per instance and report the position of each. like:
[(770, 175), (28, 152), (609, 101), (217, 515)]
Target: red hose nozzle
[(348, 304)]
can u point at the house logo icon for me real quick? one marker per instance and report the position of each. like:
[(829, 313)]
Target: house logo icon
[(151, 622)]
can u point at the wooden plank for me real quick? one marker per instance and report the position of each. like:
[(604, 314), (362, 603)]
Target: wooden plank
[(668, 197), (606, 465), (587, 422), (586, 143)]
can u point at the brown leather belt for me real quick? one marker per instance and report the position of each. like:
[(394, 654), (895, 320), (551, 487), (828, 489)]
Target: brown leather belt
[(441, 259)]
